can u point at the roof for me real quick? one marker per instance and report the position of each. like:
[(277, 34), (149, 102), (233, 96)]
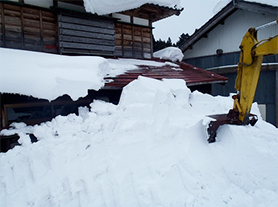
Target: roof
[(223, 14), (153, 12), (191, 74)]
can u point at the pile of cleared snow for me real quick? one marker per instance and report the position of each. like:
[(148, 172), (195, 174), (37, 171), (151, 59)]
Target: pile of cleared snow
[(111, 6), (150, 150), (173, 54)]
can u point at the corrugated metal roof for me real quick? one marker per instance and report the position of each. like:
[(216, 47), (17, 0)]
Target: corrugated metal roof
[(192, 75)]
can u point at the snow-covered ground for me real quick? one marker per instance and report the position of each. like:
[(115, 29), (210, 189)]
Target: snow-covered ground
[(149, 150)]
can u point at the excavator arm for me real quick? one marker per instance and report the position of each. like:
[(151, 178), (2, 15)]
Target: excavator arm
[(248, 72)]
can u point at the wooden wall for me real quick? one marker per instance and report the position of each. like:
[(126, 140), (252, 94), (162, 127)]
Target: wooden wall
[(67, 32), (81, 35), (27, 28), (133, 41)]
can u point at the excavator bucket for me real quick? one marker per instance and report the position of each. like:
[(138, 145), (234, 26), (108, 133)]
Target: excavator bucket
[(231, 118)]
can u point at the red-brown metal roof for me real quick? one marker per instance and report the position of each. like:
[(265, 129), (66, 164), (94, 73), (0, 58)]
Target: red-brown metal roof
[(191, 74)]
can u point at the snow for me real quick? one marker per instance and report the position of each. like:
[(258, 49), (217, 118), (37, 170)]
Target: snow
[(111, 6), (173, 54), (222, 3), (49, 76), (149, 150)]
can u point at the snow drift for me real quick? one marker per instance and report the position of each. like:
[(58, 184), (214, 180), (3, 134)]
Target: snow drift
[(149, 150)]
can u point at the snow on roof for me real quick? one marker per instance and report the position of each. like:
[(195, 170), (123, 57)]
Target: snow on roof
[(173, 54), (222, 3), (49, 76), (111, 6)]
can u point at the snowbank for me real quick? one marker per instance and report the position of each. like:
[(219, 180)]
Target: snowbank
[(173, 54), (149, 150), (112, 6)]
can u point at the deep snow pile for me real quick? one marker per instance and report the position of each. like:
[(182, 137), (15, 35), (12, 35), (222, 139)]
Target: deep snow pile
[(111, 6), (173, 54), (149, 150)]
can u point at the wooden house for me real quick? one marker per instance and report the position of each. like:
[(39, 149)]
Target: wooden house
[(63, 27), (215, 46)]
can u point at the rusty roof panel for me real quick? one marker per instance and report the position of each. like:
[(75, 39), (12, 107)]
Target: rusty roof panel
[(191, 74)]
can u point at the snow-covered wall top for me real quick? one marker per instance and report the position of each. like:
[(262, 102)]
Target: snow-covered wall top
[(111, 6), (222, 3)]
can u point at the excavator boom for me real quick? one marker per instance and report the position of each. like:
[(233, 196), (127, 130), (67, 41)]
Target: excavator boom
[(248, 73)]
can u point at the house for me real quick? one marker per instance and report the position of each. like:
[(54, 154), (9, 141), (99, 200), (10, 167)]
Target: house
[(64, 27), (215, 47)]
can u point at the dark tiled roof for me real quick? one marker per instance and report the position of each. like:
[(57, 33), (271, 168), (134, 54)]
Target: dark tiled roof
[(192, 75)]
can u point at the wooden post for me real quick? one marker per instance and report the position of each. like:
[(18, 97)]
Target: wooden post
[(22, 28), (3, 25), (41, 31), (150, 25)]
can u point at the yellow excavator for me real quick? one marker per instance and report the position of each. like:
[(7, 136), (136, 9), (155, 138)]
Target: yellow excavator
[(248, 72)]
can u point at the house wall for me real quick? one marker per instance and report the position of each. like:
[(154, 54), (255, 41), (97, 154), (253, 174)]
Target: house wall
[(133, 40), (68, 31), (229, 35), (27, 28), (86, 35)]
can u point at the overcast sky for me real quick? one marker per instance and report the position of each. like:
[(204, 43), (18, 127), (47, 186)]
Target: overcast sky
[(194, 15)]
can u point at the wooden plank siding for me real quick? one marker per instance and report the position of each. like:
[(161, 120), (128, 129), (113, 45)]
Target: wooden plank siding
[(133, 41), (80, 35), (27, 28)]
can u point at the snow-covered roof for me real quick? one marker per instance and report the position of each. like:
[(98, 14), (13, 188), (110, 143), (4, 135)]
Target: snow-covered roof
[(111, 6), (49, 76), (222, 3)]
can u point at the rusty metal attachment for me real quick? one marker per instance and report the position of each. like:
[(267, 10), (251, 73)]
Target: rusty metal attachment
[(231, 118)]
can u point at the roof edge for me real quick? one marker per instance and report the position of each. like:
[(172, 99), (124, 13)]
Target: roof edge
[(222, 14)]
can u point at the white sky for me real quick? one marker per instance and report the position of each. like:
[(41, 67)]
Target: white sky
[(194, 15)]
